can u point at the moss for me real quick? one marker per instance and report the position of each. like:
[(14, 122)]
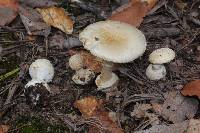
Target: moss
[(36, 125)]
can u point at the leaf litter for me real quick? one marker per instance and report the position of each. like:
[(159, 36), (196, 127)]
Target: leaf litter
[(177, 108), (8, 11)]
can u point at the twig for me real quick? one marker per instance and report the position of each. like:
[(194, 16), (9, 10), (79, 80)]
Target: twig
[(12, 89), (124, 71)]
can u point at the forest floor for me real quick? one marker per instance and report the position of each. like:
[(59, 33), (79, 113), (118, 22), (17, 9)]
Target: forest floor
[(138, 105)]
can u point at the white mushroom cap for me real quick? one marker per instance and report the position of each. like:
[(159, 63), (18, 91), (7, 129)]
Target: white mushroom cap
[(162, 55), (76, 62), (103, 85), (113, 41), (83, 76), (155, 72), (41, 71)]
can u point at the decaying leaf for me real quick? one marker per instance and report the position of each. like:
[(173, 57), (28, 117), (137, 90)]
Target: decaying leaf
[(92, 110), (194, 126), (57, 17), (141, 111), (8, 11), (33, 22), (172, 128), (4, 128), (87, 106), (92, 62), (133, 12), (192, 89), (38, 3), (62, 42), (177, 108)]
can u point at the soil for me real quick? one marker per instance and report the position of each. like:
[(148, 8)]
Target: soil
[(170, 26)]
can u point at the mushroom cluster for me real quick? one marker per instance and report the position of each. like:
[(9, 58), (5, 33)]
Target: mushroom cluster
[(158, 58), (113, 42)]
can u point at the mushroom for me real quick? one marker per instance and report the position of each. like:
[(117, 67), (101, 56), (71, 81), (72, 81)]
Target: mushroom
[(76, 62), (83, 76), (155, 72), (158, 57), (41, 71), (107, 78), (161, 56), (113, 41)]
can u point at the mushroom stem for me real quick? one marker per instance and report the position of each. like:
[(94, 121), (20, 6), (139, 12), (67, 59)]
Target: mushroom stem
[(106, 72)]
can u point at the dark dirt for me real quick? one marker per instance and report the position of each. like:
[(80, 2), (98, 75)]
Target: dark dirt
[(169, 26)]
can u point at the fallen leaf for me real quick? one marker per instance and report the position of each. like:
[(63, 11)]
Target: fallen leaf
[(177, 108), (62, 42), (4, 128), (38, 3), (107, 124), (141, 111), (194, 126), (92, 110), (87, 106), (172, 128), (91, 62), (192, 89), (8, 11), (133, 12), (57, 17), (33, 22)]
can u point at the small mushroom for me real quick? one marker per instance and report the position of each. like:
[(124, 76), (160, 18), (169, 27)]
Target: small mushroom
[(83, 76), (158, 57), (161, 56), (41, 71), (76, 62), (155, 72), (113, 41)]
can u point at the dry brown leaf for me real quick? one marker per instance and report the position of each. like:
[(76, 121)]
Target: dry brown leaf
[(4, 128), (57, 17), (177, 108), (91, 108), (87, 106), (60, 41), (133, 12), (33, 22), (91, 62), (107, 123), (39, 3), (192, 89), (8, 11), (172, 128)]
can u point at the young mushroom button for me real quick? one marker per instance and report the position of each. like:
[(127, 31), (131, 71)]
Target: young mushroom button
[(113, 41), (161, 56), (76, 62), (158, 57), (155, 72), (41, 71), (83, 76)]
